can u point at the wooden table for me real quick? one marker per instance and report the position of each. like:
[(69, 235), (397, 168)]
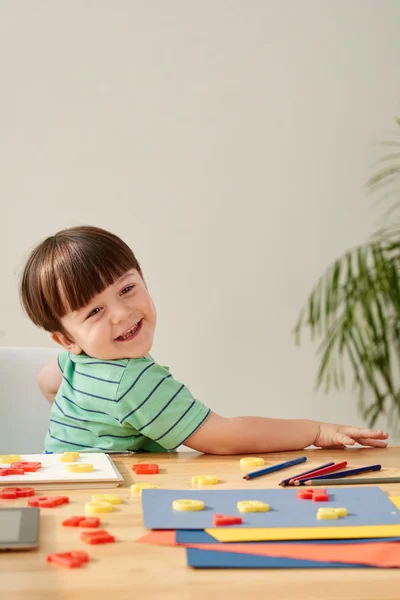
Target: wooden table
[(130, 570)]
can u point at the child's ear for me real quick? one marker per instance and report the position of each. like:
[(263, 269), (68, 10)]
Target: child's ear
[(66, 343)]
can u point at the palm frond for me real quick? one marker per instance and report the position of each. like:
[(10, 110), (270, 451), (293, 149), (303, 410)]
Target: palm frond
[(355, 308)]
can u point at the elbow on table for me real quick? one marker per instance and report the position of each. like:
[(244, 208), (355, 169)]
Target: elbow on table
[(220, 448), (216, 447), (218, 435)]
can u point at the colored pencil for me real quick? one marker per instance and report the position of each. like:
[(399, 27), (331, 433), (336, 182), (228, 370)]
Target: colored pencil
[(348, 473), (120, 452), (320, 472), (355, 481), (278, 467), (285, 482)]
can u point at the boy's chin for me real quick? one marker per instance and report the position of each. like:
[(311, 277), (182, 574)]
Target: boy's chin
[(129, 353), (121, 350)]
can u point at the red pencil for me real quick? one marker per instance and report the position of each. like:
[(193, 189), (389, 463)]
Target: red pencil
[(324, 471)]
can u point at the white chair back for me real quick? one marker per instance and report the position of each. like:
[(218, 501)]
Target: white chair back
[(24, 411)]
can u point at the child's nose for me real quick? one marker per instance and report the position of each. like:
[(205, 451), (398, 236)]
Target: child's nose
[(120, 314)]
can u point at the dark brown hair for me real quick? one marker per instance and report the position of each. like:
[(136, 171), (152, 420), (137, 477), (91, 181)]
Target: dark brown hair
[(81, 262)]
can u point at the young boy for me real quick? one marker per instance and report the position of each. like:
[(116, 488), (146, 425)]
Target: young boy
[(85, 286)]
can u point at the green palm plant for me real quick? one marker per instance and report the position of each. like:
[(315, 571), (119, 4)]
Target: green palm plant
[(354, 307)]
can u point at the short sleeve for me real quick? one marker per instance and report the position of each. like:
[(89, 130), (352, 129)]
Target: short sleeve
[(158, 406), (62, 359)]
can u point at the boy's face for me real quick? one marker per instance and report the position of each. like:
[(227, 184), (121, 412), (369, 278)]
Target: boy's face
[(118, 323)]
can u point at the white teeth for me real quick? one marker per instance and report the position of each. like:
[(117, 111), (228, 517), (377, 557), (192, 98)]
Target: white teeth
[(129, 332)]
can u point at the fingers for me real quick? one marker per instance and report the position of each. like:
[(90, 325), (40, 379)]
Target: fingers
[(373, 443), (348, 441), (357, 433), (336, 447), (344, 440)]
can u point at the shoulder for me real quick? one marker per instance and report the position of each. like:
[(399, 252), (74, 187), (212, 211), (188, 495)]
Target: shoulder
[(93, 378), (143, 370), (142, 378)]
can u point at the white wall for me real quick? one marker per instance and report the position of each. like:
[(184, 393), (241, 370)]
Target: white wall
[(227, 141)]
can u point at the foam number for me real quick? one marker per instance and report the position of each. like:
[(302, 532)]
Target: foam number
[(97, 537), (94, 508), (69, 559), (12, 493), (252, 506), (251, 461), (146, 469), (223, 520), (48, 501), (137, 488), (112, 498), (188, 505), (28, 467), (204, 480), (69, 456), (4, 471), (81, 522), (315, 495), (8, 459), (79, 468), (342, 512), (328, 513)]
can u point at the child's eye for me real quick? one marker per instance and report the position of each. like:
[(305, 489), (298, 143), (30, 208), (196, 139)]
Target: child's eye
[(127, 289), (95, 311)]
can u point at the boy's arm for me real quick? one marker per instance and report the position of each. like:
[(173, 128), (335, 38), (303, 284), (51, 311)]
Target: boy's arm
[(239, 435), (49, 379)]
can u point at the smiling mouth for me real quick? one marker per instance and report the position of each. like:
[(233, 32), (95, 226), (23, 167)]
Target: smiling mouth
[(130, 333)]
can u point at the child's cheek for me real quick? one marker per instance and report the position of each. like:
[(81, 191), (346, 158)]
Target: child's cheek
[(97, 333), (151, 309)]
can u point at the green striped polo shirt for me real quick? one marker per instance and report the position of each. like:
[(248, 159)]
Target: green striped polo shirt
[(129, 404)]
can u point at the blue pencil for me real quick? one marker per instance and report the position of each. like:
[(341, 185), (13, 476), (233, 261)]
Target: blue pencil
[(284, 465), (341, 474), (285, 482)]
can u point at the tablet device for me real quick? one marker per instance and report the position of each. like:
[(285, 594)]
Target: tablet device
[(19, 528)]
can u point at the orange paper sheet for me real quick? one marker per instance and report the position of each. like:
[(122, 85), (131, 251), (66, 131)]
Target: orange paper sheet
[(165, 537), (377, 554)]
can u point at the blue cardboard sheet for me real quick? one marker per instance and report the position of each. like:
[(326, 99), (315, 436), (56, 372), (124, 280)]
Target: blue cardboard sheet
[(365, 505), (208, 559)]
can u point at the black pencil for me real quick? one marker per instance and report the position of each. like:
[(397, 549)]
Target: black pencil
[(350, 481)]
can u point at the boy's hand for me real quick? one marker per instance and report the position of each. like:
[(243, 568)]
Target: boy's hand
[(342, 435)]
